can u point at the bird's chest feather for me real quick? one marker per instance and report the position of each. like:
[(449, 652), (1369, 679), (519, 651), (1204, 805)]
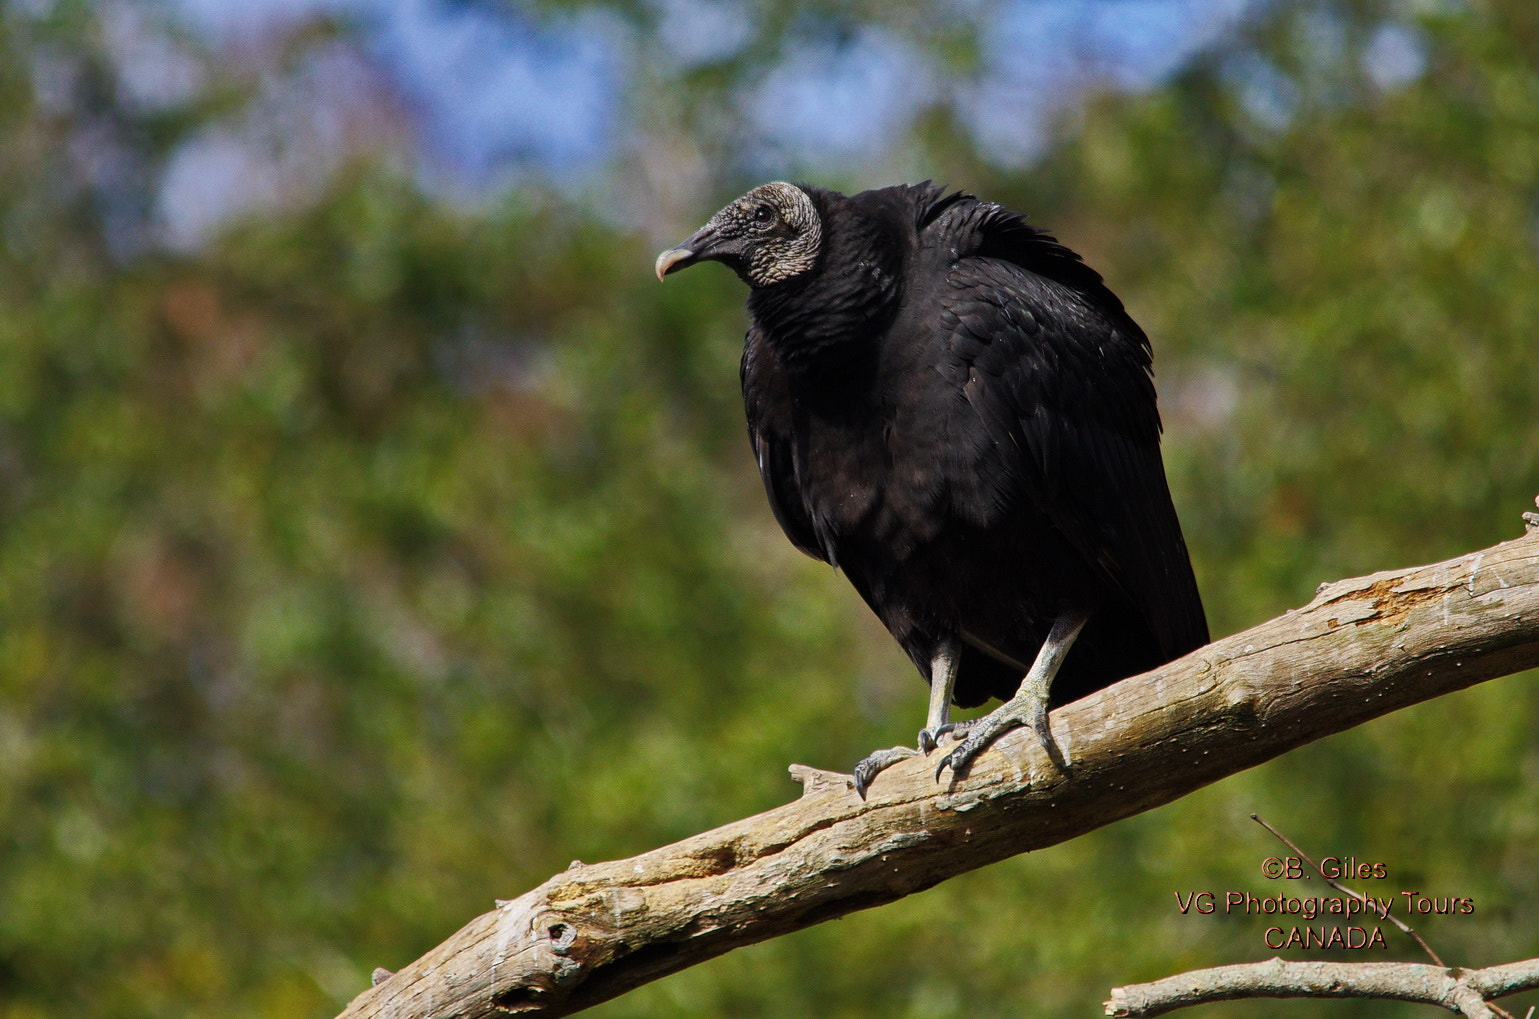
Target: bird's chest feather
[(878, 464), (888, 449)]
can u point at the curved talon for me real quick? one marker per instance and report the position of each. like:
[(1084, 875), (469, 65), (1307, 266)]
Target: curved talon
[(876, 763), (957, 731), (861, 780), (961, 759), (982, 732)]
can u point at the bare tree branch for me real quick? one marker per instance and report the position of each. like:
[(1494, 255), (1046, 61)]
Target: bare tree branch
[(1463, 991), (1360, 649)]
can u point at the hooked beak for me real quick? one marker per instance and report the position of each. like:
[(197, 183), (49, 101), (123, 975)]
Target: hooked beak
[(704, 245), (674, 259)]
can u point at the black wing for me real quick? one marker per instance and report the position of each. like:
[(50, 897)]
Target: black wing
[(1055, 368), (769, 408)]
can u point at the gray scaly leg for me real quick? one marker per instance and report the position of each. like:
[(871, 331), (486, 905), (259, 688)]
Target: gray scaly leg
[(943, 676), (1029, 705)]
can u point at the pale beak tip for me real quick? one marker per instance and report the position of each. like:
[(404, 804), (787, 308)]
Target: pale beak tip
[(673, 258)]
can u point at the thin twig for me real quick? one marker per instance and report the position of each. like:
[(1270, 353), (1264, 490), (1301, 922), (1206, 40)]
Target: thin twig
[(1360, 897), (1503, 1013)]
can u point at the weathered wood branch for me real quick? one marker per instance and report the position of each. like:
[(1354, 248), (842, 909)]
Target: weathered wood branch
[(1465, 991), (1360, 649)]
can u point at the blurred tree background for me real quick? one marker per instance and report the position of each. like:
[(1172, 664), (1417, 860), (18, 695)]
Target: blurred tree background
[(377, 535)]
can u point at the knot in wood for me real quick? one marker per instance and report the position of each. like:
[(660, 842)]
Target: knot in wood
[(562, 937)]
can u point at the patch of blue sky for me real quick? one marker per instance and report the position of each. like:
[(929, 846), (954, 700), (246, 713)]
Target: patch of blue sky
[(497, 88), (1140, 43), (1396, 56), (500, 90), (694, 32), (492, 86), (210, 178), (838, 97), (1040, 55), (1269, 97), (155, 71), (223, 21)]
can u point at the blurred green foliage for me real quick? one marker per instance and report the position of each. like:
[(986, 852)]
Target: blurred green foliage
[(382, 555)]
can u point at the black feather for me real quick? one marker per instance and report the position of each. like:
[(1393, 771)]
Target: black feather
[(953, 409)]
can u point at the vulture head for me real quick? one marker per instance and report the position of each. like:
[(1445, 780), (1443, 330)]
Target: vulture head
[(770, 235)]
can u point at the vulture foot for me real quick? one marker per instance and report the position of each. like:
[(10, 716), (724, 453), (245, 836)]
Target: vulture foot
[(1027, 707), (877, 763), (1024, 709)]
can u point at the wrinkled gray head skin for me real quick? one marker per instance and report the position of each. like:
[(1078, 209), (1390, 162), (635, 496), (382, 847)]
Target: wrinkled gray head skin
[(770, 235)]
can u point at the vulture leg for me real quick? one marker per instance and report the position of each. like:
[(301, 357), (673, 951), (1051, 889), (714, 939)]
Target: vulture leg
[(943, 674), (1028, 706), (943, 677)]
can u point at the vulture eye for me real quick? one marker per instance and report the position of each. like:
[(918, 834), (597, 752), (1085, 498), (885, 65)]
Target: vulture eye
[(763, 214)]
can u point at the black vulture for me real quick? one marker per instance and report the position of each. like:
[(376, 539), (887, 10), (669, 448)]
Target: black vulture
[(952, 408)]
